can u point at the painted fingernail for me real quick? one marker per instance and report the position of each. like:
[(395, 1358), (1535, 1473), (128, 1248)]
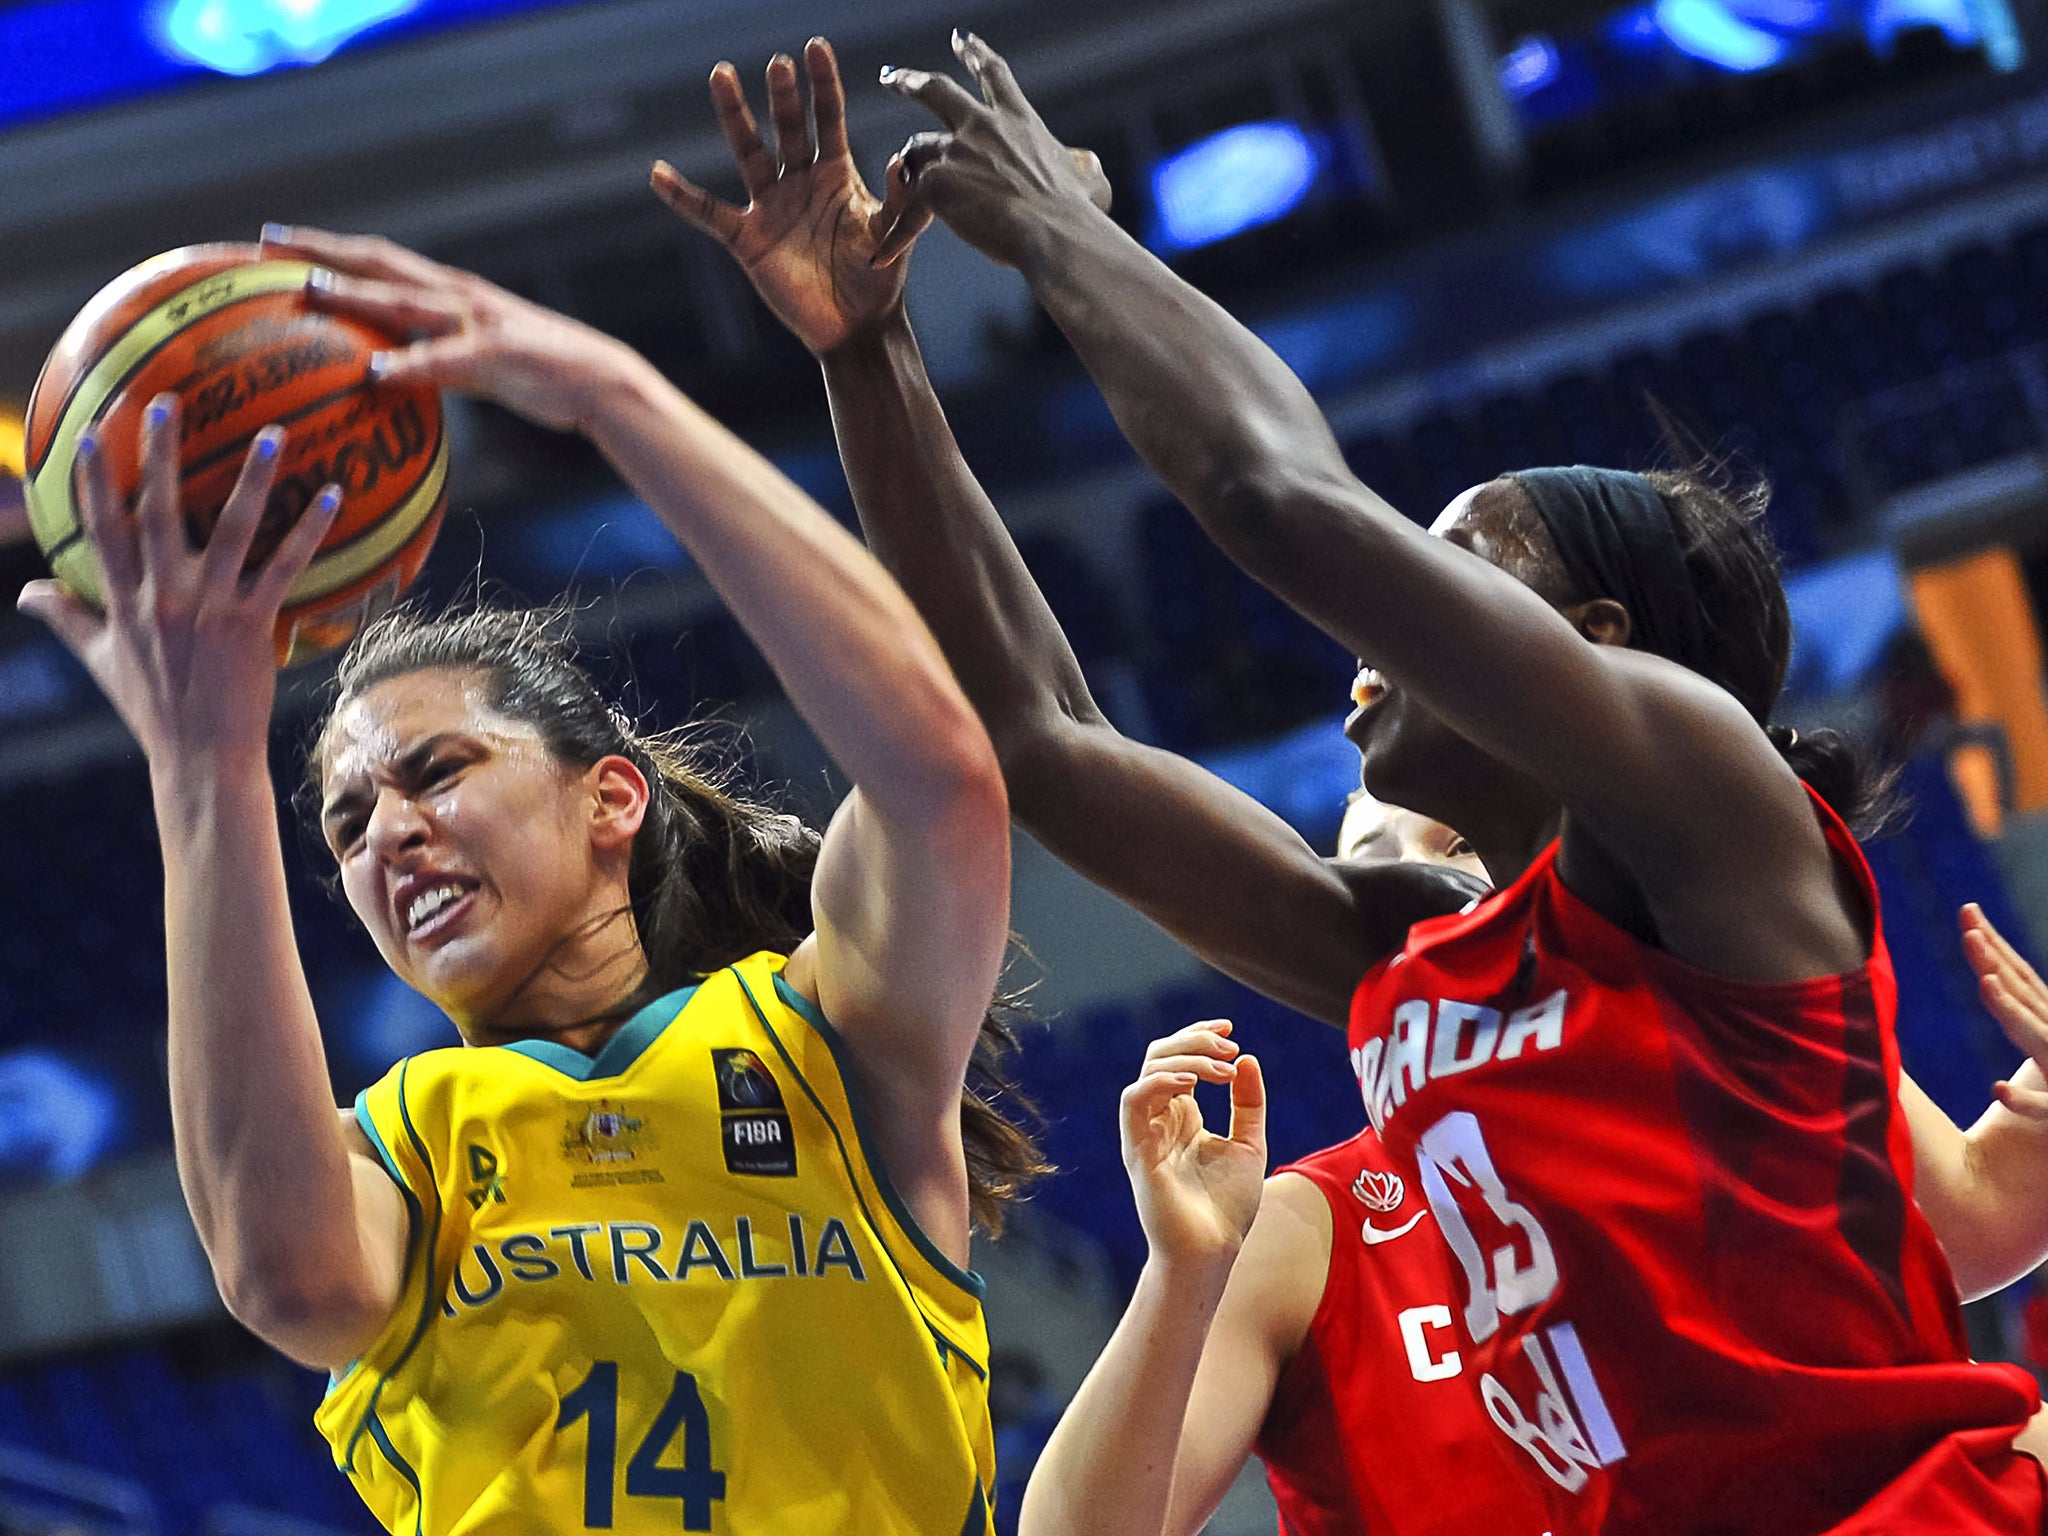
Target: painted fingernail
[(88, 444), (157, 412), (380, 364), (888, 73), (277, 234), (328, 499), (268, 441), (320, 280)]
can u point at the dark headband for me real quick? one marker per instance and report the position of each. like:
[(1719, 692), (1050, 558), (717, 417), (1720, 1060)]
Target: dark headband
[(1615, 535)]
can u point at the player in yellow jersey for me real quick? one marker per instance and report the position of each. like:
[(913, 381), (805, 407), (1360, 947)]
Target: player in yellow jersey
[(678, 1239)]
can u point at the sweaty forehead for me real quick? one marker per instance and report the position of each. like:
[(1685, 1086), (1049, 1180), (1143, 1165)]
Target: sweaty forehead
[(384, 721), (1496, 522)]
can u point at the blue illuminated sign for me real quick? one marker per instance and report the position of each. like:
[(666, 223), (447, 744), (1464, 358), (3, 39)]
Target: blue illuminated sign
[(1710, 32), (1530, 65), (1232, 181), (1844, 614), (247, 37)]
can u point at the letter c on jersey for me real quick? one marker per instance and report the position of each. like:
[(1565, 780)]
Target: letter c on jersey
[(1422, 1365)]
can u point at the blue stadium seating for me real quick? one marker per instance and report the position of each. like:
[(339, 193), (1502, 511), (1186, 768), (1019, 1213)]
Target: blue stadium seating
[(196, 1440)]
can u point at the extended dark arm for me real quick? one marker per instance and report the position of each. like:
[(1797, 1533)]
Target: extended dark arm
[(1211, 865)]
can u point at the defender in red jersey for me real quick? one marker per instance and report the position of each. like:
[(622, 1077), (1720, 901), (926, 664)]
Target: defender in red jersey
[(1330, 1351), (1576, 673), (1677, 1200), (1335, 1340)]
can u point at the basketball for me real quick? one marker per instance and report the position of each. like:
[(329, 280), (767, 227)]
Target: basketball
[(226, 328)]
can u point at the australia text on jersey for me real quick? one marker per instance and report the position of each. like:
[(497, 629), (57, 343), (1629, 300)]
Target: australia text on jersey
[(639, 1252), (1429, 1040)]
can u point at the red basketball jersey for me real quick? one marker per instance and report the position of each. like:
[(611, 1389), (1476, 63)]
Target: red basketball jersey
[(1694, 1292), (1381, 1376)]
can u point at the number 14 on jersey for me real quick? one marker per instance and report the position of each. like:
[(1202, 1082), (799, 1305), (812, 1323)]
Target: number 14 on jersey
[(696, 1482)]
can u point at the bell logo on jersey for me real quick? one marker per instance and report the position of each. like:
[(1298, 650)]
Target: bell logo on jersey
[(1571, 1436), (485, 1181), (754, 1124), (1382, 1192), (1428, 1040)]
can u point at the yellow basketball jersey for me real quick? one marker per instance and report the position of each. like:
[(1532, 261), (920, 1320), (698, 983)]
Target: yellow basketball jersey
[(662, 1289)]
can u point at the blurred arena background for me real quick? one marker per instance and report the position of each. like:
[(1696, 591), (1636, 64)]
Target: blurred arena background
[(1816, 230)]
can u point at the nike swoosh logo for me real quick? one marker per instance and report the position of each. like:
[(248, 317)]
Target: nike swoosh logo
[(1373, 1234)]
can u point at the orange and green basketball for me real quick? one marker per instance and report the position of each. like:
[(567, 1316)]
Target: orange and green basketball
[(227, 329)]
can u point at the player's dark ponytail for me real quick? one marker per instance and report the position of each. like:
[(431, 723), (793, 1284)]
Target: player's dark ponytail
[(1842, 773), (715, 876), (1732, 564)]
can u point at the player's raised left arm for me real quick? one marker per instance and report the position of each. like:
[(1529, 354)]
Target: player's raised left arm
[(911, 895)]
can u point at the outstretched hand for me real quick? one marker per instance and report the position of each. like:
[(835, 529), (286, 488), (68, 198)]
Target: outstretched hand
[(184, 649), (1197, 1192), (469, 334), (810, 234), (996, 174), (2018, 1000)]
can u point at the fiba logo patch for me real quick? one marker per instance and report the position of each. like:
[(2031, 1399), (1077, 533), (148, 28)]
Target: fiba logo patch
[(744, 1081), (1377, 1191), (753, 1120)]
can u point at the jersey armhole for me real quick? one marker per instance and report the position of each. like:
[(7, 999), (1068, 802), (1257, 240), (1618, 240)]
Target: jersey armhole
[(368, 1125), (1291, 1378), (966, 1279)]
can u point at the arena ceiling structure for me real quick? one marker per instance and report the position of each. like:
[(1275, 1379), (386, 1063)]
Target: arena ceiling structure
[(521, 144)]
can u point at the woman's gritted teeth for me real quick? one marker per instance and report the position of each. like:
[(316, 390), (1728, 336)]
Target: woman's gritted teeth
[(425, 902)]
